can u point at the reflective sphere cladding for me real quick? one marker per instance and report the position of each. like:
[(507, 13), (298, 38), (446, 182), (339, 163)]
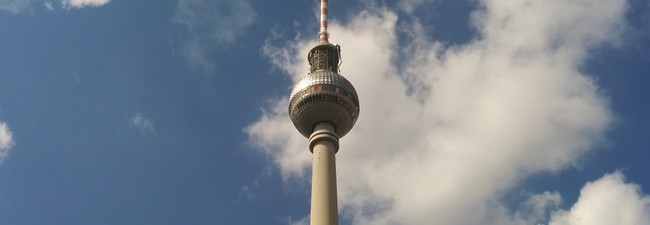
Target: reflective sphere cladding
[(323, 96)]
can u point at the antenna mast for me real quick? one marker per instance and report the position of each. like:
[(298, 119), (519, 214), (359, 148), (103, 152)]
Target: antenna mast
[(323, 36)]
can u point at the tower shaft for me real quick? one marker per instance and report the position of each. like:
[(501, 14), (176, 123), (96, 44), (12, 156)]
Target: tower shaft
[(324, 106), (324, 145)]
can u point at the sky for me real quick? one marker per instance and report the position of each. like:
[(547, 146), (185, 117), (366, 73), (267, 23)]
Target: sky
[(472, 112)]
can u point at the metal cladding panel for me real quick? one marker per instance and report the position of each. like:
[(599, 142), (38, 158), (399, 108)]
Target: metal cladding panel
[(323, 77), (323, 96)]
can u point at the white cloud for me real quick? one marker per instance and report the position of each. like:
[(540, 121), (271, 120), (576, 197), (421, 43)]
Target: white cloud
[(68, 4), (410, 5), (14, 6), (441, 137), (49, 6), (17, 6), (143, 124), (6, 140), (607, 201), (303, 221), (211, 25)]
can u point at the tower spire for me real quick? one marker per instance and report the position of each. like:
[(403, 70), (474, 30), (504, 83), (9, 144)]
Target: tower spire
[(323, 36), (324, 56)]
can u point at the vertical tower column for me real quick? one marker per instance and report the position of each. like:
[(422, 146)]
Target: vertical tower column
[(324, 144), (324, 107)]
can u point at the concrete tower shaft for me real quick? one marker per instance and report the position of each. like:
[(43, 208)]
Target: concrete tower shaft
[(324, 207)]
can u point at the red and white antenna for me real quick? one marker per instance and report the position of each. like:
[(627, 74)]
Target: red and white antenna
[(323, 36)]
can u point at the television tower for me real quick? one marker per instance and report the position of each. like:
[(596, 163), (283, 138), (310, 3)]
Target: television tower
[(324, 106)]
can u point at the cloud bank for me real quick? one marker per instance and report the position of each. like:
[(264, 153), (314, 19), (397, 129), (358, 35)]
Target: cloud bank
[(445, 131), (83, 3), (6, 140), (211, 25), (609, 200), (17, 6), (14, 6)]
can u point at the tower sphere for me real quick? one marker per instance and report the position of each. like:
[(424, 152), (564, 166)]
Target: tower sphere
[(324, 95)]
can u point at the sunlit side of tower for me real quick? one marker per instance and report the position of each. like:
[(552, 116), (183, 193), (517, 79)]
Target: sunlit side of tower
[(324, 106)]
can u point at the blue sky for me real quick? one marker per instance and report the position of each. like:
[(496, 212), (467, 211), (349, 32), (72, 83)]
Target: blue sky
[(174, 111)]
